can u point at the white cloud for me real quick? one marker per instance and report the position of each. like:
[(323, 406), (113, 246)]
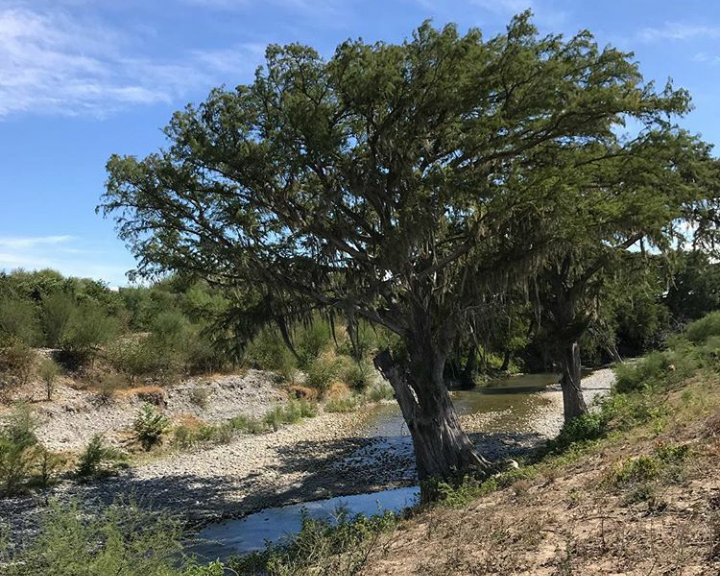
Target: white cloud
[(32, 242), (52, 62), (67, 254), (679, 31)]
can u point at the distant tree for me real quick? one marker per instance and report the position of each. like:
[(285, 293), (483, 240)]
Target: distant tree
[(639, 198), (401, 184)]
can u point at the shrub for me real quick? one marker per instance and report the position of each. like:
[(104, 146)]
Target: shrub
[(118, 539), (134, 357), (357, 375), (290, 413), (321, 373), (57, 310), (88, 330), (149, 426), (342, 405), (701, 330), (636, 470), (311, 340), (636, 375), (48, 370), (92, 457), (380, 391), (18, 322), (322, 547), (19, 451), (267, 351), (16, 364)]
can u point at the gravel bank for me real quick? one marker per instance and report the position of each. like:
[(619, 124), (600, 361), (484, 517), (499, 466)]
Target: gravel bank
[(321, 457)]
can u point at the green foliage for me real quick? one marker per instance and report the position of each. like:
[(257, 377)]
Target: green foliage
[(290, 413), (118, 539), (321, 548), (18, 322), (49, 370), (91, 458), (380, 391), (58, 309), (323, 371), (585, 428), (357, 375), (267, 351), (149, 426), (311, 340), (16, 363), (19, 451), (342, 405), (700, 331), (90, 328)]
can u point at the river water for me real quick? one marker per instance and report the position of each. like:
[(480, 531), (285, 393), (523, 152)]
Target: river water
[(502, 405)]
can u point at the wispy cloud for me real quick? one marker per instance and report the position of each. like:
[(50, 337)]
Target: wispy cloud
[(679, 31), (68, 254), (53, 62), (32, 242)]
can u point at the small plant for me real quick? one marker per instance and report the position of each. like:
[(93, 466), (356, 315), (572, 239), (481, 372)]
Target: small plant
[(635, 471), (19, 451), (200, 397), (92, 457), (49, 370), (109, 385), (149, 426)]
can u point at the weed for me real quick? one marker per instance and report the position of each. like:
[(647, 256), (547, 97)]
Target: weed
[(200, 397)]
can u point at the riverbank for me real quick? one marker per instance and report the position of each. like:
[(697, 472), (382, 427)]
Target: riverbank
[(329, 455)]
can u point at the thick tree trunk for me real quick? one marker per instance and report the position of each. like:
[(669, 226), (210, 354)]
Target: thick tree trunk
[(442, 450), (573, 400)]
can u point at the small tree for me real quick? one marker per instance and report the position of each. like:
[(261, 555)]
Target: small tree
[(48, 370), (149, 426), (88, 330)]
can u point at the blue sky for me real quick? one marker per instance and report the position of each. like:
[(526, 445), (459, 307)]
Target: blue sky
[(82, 79)]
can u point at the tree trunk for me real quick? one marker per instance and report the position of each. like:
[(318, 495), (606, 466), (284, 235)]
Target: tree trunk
[(506, 361), (467, 380), (442, 450), (573, 400)]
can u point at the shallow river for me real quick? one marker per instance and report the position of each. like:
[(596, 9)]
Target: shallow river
[(508, 403)]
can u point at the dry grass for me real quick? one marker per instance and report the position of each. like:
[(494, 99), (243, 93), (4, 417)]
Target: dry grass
[(570, 519)]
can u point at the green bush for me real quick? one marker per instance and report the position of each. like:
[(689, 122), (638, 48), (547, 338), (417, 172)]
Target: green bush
[(119, 539), (322, 373), (290, 413), (380, 391), (701, 330), (635, 471), (57, 310), (16, 363), (135, 357), (91, 459), (18, 322), (357, 375), (149, 426), (267, 351), (90, 328), (19, 451), (311, 340), (343, 405)]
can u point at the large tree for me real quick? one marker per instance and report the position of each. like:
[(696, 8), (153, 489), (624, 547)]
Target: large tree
[(387, 182)]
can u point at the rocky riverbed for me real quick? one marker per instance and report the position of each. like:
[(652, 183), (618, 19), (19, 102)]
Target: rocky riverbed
[(332, 454)]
